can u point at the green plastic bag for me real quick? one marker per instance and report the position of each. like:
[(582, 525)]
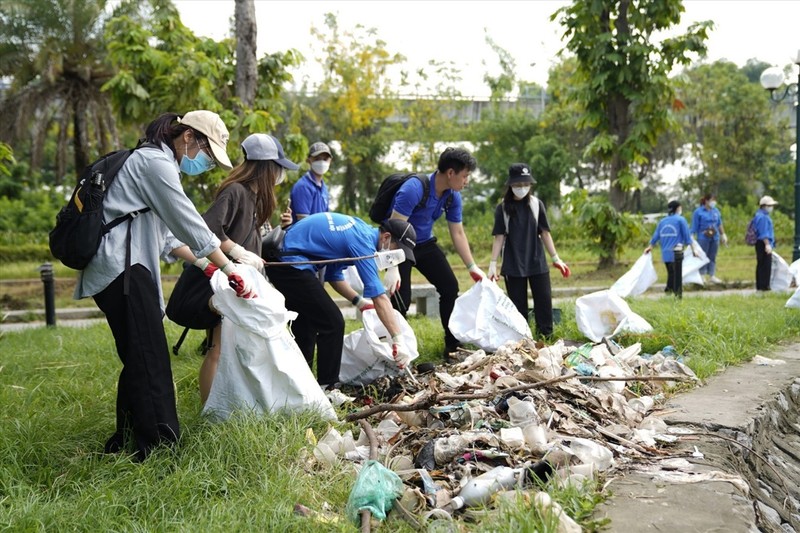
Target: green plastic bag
[(375, 490)]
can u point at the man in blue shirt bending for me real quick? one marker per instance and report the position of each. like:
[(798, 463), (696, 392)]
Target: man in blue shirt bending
[(444, 196), (319, 322)]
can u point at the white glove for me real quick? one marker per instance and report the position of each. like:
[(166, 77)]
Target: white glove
[(476, 273), (768, 248), (724, 238), (363, 304), (695, 250), (400, 353), (493, 271), (244, 257), (238, 283), (391, 280)]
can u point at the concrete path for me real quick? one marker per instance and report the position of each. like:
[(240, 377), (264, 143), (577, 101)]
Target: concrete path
[(741, 404)]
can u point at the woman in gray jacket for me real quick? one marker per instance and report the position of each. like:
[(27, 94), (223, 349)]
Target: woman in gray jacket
[(124, 276)]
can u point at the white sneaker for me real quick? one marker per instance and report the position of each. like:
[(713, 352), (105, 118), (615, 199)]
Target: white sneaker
[(715, 279)]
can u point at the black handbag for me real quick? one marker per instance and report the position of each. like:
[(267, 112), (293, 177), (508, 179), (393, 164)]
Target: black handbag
[(188, 304)]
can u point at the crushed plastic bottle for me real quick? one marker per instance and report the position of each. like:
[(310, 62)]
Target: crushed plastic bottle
[(522, 413), (479, 490)]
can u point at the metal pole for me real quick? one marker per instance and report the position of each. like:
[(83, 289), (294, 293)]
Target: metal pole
[(46, 271), (796, 249)]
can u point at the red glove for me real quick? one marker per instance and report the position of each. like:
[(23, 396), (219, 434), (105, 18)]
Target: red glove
[(237, 282), (561, 266), (206, 266), (363, 304), (476, 273)]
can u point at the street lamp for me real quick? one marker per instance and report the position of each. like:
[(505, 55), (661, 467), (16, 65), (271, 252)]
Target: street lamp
[(772, 79)]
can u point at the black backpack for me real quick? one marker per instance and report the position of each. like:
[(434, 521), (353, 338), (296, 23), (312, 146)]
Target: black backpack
[(79, 225), (389, 187)]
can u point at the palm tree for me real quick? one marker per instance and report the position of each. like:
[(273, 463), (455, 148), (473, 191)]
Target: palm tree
[(53, 52)]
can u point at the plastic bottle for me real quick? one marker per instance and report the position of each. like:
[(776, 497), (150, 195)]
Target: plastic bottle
[(479, 490), (389, 258), (521, 413)]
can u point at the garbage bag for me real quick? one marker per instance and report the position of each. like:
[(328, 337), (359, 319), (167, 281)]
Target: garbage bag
[(693, 263), (604, 313), (794, 269), (367, 352), (261, 368), (485, 316), (794, 300), (376, 489), (353, 279), (781, 277), (638, 279)]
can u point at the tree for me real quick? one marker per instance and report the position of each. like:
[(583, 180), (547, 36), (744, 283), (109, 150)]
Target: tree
[(621, 79), (246, 63), (355, 101), (729, 125), (54, 53)]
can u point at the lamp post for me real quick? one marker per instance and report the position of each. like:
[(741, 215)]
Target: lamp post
[(772, 79)]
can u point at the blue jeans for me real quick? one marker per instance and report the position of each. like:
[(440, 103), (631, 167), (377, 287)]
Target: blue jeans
[(710, 247)]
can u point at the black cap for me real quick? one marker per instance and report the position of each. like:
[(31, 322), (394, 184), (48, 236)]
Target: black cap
[(673, 206), (520, 173), (403, 234)]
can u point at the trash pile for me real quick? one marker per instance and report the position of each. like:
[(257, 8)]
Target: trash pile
[(452, 439)]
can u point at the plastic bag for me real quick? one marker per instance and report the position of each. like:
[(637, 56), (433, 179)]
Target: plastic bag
[(781, 277), (638, 279), (794, 300), (353, 279), (367, 352), (485, 316), (693, 263), (261, 368), (376, 489), (603, 313), (794, 269)]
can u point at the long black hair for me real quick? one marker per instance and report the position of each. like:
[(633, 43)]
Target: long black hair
[(166, 128)]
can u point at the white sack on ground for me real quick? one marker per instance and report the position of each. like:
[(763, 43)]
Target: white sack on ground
[(367, 352), (261, 368), (781, 277), (794, 300), (693, 263), (638, 279), (604, 313), (486, 317), (794, 270)]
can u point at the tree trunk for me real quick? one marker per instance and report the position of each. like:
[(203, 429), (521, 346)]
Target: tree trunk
[(246, 63), (80, 139)]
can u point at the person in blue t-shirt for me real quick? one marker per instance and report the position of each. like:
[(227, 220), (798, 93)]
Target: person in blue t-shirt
[(671, 231), (765, 235), (445, 185), (707, 226), (319, 322), (310, 194)]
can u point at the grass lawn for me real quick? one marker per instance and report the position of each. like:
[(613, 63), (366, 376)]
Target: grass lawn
[(57, 387)]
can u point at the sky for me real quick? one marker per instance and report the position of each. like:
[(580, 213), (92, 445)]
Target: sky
[(454, 31)]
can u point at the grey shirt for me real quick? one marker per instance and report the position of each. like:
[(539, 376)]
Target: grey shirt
[(149, 178)]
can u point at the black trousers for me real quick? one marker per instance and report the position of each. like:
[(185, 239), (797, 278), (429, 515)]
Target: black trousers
[(432, 263), (763, 267), (517, 290), (145, 391), (319, 321)]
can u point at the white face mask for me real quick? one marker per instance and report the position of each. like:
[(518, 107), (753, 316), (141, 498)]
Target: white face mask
[(712, 204), (520, 192), (769, 209), (281, 176), (320, 167)]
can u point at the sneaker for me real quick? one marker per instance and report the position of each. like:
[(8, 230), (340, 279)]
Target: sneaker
[(716, 280), (337, 397)]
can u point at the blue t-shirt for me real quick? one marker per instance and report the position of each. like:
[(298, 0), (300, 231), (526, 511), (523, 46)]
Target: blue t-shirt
[(672, 230), (764, 227), (703, 218), (307, 197), (408, 197), (335, 236)]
